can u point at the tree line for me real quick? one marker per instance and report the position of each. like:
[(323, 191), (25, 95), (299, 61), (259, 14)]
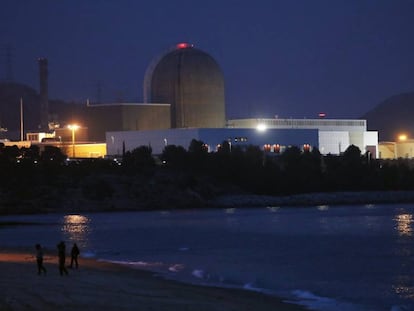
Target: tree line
[(248, 169), (293, 171)]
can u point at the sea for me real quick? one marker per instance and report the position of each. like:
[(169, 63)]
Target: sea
[(343, 258)]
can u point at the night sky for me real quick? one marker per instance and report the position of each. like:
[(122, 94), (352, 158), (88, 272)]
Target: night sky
[(291, 58)]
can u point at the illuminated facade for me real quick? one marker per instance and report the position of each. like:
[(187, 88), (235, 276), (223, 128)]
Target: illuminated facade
[(273, 140), (84, 150), (395, 150), (334, 135)]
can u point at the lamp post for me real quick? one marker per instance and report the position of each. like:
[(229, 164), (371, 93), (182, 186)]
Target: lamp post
[(73, 128)]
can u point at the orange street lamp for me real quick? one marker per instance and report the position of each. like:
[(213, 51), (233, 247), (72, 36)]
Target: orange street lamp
[(73, 128)]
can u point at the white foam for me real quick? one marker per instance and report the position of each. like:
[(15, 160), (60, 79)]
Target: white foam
[(200, 274), (252, 287), (314, 302), (176, 268), (138, 264)]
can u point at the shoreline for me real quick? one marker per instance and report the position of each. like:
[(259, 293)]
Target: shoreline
[(315, 199), (99, 285), (223, 201)]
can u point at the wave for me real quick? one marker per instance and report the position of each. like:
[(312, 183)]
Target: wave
[(203, 277), (314, 302)]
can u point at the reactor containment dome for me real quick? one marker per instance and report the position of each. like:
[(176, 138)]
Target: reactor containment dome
[(190, 81)]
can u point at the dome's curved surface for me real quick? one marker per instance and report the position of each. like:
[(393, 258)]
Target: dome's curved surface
[(191, 81)]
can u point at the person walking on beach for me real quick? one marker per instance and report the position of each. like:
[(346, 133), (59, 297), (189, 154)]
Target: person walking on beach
[(62, 257), (39, 260), (74, 256)]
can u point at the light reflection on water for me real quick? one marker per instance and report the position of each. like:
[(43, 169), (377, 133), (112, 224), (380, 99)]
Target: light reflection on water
[(404, 224), (378, 240), (273, 209), (76, 229), (403, 287), (323, 208)]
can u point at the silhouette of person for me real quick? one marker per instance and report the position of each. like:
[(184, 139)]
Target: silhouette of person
[(39, 260), (62, 257), (74, 256)]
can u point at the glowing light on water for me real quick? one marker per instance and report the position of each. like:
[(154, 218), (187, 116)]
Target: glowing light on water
[(273, 209), (403, 287), (230, 210), (76, 228), (323, 207), (404, 224)]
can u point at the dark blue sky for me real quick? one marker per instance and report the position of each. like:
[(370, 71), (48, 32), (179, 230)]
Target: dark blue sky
[(291, 58)]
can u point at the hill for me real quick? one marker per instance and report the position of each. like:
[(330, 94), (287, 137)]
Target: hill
[(10, 94), (393, 116)]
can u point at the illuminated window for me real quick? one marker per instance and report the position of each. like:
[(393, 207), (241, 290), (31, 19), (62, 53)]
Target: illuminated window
[(276, 148), (266, 148)]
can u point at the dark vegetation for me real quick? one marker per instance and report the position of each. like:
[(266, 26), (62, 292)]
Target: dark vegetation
[(33, 181)]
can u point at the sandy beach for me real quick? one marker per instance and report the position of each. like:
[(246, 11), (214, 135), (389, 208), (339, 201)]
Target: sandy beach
[(105, 286)]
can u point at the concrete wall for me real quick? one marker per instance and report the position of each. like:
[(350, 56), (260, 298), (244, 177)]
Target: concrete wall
[(404, 149), (333, 142), (387, 150)]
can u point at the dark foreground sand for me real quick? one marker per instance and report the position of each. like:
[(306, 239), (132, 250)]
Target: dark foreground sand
[(105, 286)]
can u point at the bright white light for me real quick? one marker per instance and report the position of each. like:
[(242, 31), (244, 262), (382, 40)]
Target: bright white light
[(402, 137), (261, 127), (73, 127)]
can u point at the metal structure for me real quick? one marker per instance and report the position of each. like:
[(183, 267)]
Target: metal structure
[(43, 90)]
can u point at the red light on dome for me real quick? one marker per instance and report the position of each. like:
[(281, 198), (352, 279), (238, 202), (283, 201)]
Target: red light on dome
[(184, 45), (322, 114)]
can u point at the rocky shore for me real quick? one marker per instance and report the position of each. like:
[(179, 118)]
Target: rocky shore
[(76, 203), (315, 199)]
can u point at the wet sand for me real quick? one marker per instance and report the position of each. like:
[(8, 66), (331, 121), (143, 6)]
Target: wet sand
[(105, 286)]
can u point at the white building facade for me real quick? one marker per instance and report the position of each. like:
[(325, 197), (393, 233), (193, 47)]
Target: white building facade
[(334, 135)]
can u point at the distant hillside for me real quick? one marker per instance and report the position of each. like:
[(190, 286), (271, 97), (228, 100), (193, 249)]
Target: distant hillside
[(10, 94), (393, 116)]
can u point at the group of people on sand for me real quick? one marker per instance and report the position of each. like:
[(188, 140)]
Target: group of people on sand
[(61, 258)]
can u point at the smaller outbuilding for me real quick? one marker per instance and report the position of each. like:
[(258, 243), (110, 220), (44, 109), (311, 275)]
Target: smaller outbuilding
[(401, 149), (126, 117)]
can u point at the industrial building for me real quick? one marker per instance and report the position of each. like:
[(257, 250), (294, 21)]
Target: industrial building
[(334, 135), (126, 117), (190, 81), (184, 99), (400, 149), (273, 140), (326, 136), (192, 84)]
